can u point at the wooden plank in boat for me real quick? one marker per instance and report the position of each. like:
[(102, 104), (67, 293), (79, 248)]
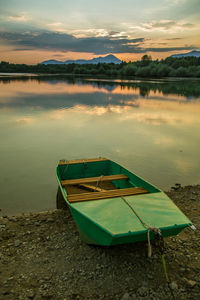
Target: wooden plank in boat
[(91, 187), (79, 161), (106, 194), (93, 179)]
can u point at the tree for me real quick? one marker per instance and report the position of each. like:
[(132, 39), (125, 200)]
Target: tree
[(145, 60), (128, 70), (146, 57), (163, 70), (182, 72)]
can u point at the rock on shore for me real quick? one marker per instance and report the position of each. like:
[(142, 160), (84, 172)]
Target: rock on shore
[(42, 257)]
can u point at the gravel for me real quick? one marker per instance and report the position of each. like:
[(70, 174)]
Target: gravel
[(42, 257)]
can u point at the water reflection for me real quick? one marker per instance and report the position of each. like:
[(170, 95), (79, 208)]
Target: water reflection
[(102, 97), (189, 88), (41, 92), (153, 133)]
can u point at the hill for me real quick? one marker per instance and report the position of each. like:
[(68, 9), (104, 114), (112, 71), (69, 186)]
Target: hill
[(192, 53), (107, 59)]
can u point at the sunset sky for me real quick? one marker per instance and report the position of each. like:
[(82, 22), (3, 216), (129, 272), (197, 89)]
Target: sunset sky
[(33, 31)]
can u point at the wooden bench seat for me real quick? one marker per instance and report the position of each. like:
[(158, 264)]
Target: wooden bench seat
[(93, 179), (81, 161), (106, 194)]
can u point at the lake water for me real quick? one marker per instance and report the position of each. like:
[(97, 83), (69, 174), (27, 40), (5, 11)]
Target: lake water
[(151, 127)]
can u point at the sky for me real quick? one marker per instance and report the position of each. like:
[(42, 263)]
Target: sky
[(34, 31)]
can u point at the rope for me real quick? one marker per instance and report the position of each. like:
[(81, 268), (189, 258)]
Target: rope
[(167, 277), (98, 181), (156, 230), (165, 268)]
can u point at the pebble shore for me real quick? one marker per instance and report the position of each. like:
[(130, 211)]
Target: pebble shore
[(42, 257)]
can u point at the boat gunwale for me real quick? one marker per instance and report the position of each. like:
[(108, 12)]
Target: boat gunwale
[(74, 206)]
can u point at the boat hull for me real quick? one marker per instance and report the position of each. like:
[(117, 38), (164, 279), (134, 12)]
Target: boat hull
[(111, 221), (92, 233)]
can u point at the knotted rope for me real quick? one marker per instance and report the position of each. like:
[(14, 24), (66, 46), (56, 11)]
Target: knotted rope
[(156, 230)]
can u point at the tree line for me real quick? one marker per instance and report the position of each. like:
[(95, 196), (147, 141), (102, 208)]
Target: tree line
[(146, 67)]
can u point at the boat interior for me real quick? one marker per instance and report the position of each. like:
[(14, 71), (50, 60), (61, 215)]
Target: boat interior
[(99, 178)]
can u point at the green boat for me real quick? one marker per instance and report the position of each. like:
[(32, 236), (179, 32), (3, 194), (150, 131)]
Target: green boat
[(111, 205)]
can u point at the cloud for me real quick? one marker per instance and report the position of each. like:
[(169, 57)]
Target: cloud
[(24, 120), (174, 39), (66, 42), (19, 18), (169, 49), (57, 27), (163, 25), (97, 32), (114, 33), (55, 24)]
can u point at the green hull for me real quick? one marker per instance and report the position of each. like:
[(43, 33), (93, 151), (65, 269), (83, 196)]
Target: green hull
[(110, 221)]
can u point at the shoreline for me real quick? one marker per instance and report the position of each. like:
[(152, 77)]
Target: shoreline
[(42, 257), (13, 75)]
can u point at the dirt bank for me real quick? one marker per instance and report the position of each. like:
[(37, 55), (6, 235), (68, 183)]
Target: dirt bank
[(42, 257)]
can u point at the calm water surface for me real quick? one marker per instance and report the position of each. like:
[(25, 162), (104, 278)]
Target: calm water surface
[(150, 127)]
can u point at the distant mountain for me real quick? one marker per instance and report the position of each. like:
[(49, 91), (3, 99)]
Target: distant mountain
[(192, 53), (107, 59), (52, 62)]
